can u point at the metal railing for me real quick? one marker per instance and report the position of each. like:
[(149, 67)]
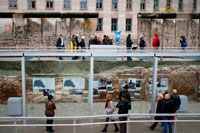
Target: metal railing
[(92, 118)]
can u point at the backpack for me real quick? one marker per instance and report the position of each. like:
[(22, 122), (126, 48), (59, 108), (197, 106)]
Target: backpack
[(157, 43), (185, 44)]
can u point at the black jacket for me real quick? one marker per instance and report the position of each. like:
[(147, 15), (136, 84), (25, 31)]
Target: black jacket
[(129, 42), (168, 106), (82, 44), (58, 42), (158, 109), (142, 43), (124, 106), (177, 100)]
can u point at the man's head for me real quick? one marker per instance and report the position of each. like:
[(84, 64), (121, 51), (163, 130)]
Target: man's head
[(160, 96), (167, 96), (61, 35), (123, 96), (174, 91), (126, 87)]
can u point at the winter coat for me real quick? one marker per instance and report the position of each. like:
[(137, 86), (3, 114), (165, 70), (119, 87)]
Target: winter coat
[(58, 42), (129, 42), (142, 43), (50, 107), (182, 41), (124, 106), (158, 109), (110, 109), (177, 100), (82, 44), (154, 41), (168, 106)]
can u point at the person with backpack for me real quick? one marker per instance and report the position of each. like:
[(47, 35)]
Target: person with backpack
[(110, 109), (49, 112), (156, 42), (142, 43), (183, 42)]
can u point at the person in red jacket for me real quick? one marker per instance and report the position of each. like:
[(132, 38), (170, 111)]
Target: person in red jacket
[(156, 42)]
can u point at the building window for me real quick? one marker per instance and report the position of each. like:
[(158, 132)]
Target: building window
[(156, 5), (83, 4), (114, 4), (194, 4), (99, 4), (128, 4), (168, 4), (31, 3), (13, 3), (49, 3), (128, 24), (142, 4), (67, 4), (114, 24), (99, 24), (180, 5)]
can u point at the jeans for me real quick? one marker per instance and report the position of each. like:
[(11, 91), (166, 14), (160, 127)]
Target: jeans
[(167, 123), (60, 57), (122, 125)]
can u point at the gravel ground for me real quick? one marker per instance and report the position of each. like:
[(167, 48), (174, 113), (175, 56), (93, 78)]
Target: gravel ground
[(81, 109)]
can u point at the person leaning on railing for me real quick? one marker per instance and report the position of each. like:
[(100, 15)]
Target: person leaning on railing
[(49, 112)]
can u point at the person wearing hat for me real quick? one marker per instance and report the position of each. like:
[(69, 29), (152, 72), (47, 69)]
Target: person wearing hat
[(142, 43), (125, 91)]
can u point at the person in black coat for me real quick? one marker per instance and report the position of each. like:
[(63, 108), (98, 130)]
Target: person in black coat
[(182, 41), (82, 44), (176, 99), (60, 44), (129, 45), (125, 91), (142, 43), (168, 107), (124, 105), (158, 110)]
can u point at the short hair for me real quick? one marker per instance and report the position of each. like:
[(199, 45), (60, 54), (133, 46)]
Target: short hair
[(61, 34), (126, 87), (123, 95), (50, 97)]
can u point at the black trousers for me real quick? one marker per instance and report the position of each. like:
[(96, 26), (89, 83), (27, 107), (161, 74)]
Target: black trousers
[(122, 125), (49, 121), (107, 120)]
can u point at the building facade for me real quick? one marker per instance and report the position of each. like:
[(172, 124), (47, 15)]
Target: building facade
[(36, 18)]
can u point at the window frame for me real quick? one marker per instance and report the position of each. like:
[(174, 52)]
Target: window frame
[(31, 2), (65, 2), (99, 4), (129, 4), (12, 5), (156, 3), (114, 4), (180, 5), (84, 3), (129, 25), (142, 4), (48, 3), (194, 5), (168, 4), (114, 25), (99, 25)]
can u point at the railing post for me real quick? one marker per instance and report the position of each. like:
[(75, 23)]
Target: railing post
[(128, 124), (175, 124), (15, 128), (74, 127)]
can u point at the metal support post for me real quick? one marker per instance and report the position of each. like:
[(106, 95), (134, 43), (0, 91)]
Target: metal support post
[(154, 89), (74, 127), (128, 125), (175, 124), (23, 69), (15, 123), (91, 84)]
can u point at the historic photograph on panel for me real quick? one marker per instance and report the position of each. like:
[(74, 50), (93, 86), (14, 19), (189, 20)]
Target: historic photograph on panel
[(109, 86), (102, 84), (131, 83), (44, 85), (95, 88), (138, 87)]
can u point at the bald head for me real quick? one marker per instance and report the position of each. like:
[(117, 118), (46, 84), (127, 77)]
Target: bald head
[(167, 96), (174, 91), (160, 96)]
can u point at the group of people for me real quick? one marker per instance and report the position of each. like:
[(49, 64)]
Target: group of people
[(167, 104)]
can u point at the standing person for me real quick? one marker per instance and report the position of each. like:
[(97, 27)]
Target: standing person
[(91, 41), (104, 40), (124, 105), (125, 91), (73, 46), (110, 108), (60, 44), (95, 41), (168, 107), (175, 97), (129, 45), (49, 112), (142, 43), (158, 110), (183, 42), (82, 44), (156, 42)]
